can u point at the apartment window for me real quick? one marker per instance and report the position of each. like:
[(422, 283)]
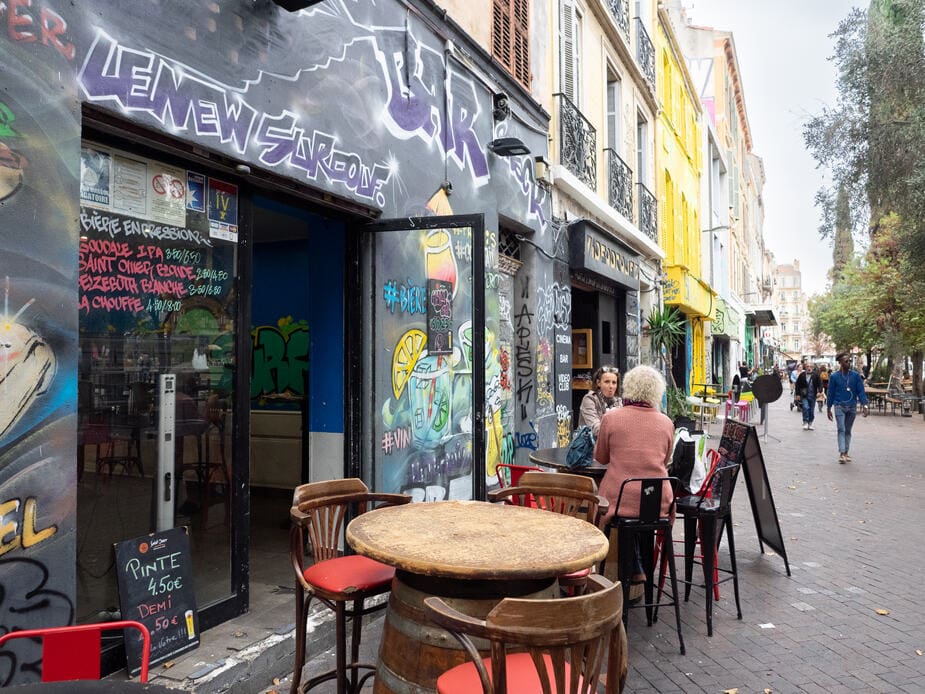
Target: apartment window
[(614, 88), (570, 30), (642, 136), (510, 37)]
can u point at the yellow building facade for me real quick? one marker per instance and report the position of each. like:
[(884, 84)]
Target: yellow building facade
[(679, 155)]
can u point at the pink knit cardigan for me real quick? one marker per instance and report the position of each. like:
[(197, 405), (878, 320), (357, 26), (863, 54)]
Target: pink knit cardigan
[(633, 442)]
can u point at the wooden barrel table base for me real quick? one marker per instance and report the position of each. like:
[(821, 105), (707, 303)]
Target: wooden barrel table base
[(414, 652)]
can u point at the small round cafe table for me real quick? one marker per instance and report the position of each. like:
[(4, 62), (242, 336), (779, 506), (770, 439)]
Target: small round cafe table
[(470, 553), (555, 458)]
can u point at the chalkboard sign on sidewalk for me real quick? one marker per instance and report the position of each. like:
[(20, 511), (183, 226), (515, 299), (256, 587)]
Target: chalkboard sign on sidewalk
[(739, 444), (156, 588)]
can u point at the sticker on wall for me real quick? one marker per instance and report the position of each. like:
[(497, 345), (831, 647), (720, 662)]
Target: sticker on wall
[(167, 204), (223, 210), (439, 317), (129, 186), (95, 177), (195, 191)]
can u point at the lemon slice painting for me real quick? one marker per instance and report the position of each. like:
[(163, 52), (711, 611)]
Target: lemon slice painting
[(406, 355)]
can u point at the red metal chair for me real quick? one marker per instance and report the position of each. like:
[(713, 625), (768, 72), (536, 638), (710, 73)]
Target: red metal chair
[(73, 653), (509, 474)]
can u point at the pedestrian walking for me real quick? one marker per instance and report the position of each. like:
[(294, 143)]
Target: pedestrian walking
[(846, 389), (824, 380), (807, 385)]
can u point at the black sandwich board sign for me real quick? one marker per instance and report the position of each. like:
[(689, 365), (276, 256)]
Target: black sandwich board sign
[(155, 580), (739, 444)]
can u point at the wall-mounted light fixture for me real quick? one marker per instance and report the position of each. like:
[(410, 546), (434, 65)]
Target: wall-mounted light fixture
[(501, 109), (295, 5), (508, 147), (541, 169)]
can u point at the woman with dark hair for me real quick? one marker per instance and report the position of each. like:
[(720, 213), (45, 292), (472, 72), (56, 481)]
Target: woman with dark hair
[(602, 397)]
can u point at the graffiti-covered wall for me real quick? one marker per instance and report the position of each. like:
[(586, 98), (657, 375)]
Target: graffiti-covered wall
[(365, 101), (39, 150)]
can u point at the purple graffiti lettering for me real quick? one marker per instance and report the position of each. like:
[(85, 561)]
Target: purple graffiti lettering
[(463, 144), (141, 81), (523, 172), (416, 101), (282, 142), (415, 107)]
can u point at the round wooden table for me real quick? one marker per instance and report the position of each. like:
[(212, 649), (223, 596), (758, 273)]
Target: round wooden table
[(555, 458), (470, 553)]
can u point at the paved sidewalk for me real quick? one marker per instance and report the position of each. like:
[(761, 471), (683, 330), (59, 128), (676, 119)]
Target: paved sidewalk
[(853, 538)]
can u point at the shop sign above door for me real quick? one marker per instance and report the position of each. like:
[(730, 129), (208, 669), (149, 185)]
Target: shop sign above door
[(590, 249)]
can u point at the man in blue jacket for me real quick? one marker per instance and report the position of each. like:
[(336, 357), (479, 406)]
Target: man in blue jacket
[(846, 389)]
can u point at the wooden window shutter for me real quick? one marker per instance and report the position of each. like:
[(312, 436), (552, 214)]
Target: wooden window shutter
[(567, 49), (510, 37), (521, 57)]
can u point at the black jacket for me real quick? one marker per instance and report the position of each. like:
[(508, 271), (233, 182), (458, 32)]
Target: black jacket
[(803, 383)]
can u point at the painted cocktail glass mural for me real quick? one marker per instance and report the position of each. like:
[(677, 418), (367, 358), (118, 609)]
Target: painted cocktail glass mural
[(423, 425)]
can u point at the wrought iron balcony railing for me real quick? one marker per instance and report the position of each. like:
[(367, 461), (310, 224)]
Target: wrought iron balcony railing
[(648, 212), (619, 184), (620, 10), (645, 53), (577, 142)]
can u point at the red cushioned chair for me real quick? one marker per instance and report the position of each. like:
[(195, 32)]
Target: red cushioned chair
[(560, 644), (318, 514), (73, 653)]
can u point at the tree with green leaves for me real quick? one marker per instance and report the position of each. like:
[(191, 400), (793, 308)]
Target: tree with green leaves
[(872, 142)]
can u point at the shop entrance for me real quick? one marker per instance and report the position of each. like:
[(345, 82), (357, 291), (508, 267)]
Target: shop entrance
[(297, 379)]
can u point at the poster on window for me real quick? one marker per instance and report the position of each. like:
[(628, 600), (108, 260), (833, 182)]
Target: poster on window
[(223, 210), (95, 177), (167, 201), (129, 186)]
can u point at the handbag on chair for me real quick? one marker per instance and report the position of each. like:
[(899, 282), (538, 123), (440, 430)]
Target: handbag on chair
[(581, 449)]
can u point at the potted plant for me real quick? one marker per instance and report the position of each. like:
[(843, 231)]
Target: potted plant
[(666, 330)]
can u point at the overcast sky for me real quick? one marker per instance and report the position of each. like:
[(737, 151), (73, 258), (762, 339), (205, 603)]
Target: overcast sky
[(783, 49)]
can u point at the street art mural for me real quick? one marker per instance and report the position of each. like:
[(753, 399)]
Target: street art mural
[(362, 100), (39, 142)]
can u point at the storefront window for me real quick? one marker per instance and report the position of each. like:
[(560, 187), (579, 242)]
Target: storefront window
[(157, 296)]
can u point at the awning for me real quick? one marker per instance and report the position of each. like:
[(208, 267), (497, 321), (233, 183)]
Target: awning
[(762, 315), (690, 294)]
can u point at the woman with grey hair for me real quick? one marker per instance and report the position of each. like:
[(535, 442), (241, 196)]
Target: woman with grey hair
[(635, 441)]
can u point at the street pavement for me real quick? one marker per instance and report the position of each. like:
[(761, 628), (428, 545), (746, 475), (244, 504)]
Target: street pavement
[(850, 618)]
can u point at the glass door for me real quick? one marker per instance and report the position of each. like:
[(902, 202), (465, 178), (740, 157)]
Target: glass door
[(158, 297), (425, 331)]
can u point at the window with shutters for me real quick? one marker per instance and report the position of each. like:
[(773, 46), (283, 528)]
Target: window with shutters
[(570, 51), (510, 37)]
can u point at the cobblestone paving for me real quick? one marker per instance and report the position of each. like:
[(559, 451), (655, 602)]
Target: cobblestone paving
[(853, 535)]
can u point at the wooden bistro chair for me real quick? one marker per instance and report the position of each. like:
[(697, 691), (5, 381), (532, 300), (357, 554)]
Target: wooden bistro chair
[(710, 511), (646, 530), (319, 511), (73, 653), (539, 646), (570, 495)]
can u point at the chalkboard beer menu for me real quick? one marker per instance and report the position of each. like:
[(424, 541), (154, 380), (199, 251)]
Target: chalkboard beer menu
[(739, 445), (156, 588)]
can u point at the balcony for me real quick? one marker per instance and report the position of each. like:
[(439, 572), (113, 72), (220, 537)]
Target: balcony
[(645, 53), (620, 10), (648, 213), (577, 143), (619, 184)]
